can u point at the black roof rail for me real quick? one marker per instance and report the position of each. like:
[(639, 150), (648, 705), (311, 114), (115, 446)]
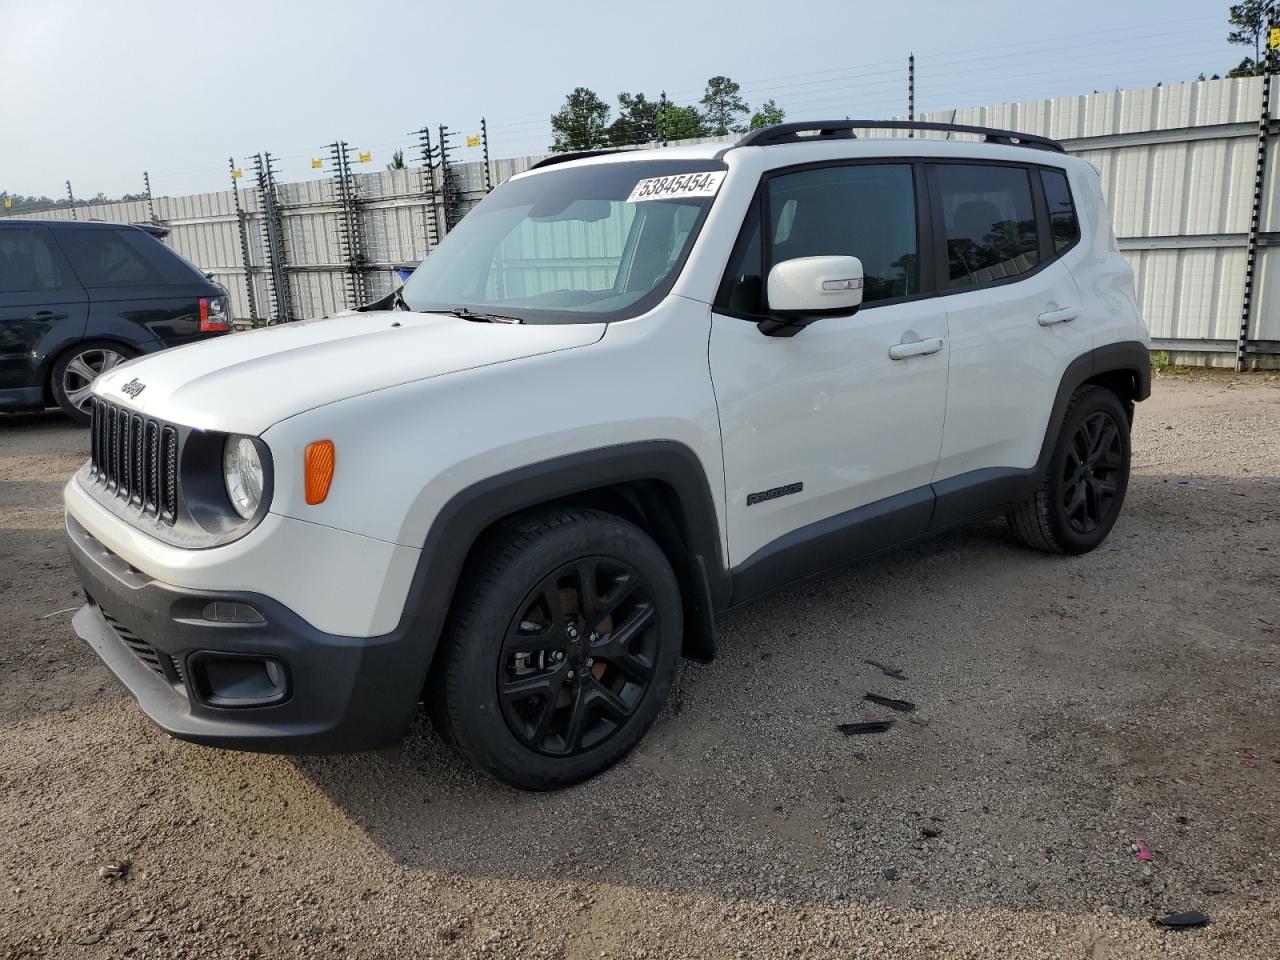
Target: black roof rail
[(575, 155), (806, 131)]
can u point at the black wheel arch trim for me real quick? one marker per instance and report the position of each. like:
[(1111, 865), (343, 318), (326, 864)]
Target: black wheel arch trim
[(1130, 357), (463, 520)]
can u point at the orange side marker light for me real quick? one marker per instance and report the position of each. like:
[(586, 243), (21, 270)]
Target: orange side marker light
[(320, 460)]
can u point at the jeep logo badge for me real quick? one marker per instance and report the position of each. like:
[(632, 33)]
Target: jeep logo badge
[(133, 388)]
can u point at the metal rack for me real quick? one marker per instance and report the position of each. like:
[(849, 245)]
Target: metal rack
[(242, 224), (350, 236), (273, 248), (430, 214)]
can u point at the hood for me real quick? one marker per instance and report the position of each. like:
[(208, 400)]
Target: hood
[(246, 382)]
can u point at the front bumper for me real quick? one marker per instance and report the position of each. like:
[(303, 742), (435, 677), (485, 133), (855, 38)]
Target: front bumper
[(343, 694)]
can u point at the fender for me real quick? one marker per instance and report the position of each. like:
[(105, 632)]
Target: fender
[(1126, 356), (459, 525)]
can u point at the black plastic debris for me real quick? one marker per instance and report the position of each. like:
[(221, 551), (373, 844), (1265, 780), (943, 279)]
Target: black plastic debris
[(874, 726), (1188, 920), (902, 706), (889, 873), (894, 672)]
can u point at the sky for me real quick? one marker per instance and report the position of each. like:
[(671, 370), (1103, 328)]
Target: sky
[(99, 91)]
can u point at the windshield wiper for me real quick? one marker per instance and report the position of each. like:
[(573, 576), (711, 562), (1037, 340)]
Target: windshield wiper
[(398, 301), (466, 314)]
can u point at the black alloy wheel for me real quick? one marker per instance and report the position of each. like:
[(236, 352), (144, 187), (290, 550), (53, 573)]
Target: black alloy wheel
[(1091, 472), (560, 649), (1083, 486), (579, 656)]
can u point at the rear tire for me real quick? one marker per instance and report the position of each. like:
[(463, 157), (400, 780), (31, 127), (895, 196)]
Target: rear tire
[(1084, 485), (560, 651), (72, 378)]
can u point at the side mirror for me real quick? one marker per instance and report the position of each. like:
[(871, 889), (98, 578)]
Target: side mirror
[(803, 289)]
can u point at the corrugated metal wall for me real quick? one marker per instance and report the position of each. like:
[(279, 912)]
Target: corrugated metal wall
[(1178, 165)]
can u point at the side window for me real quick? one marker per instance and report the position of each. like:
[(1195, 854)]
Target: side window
[(102, 258), (989, 222), (27, 264), (1062, 212), (866, 211)]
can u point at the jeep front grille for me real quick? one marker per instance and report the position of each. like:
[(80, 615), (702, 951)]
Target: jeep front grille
[(136, 458)]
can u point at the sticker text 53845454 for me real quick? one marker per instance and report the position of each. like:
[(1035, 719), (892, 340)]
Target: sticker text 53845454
[(701, 184)]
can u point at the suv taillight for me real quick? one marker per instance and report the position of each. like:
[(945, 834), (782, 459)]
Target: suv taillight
[(214, 317)]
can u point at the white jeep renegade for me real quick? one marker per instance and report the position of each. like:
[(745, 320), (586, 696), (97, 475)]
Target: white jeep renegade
[(628, 392)]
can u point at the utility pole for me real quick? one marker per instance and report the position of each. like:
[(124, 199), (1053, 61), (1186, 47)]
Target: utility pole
[(151, 209), (484, 140), (72, 197), (911, 90), (1266, 128), (243, 226)]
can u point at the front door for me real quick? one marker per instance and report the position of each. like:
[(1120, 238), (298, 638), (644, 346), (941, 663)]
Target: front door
[(830, 442)]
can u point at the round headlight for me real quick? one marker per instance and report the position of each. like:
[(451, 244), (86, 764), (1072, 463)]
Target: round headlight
[(242, 469)]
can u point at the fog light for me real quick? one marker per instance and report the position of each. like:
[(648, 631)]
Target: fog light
[(227, 680)]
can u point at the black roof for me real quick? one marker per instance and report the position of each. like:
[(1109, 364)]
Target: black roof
[(155, 230)]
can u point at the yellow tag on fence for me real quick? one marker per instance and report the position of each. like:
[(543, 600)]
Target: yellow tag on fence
[(1274, 43), (316, 164), (366, 156), (8, 201), (237, 174), (473, 140)]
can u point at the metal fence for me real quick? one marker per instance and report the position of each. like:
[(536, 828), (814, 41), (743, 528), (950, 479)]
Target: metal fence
[(1189, 171)]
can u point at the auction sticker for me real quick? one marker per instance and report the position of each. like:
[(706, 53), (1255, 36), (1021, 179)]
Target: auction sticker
[(703, 184)]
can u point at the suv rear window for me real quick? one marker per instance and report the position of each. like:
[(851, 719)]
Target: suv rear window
[(122, 258), (989, 222), (27, 264), (1062, 212)]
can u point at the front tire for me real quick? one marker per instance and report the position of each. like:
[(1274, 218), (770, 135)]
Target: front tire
[(561, 649), (71, 381), (1088, 474)]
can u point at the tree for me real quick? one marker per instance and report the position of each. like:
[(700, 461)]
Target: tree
[(722, 107), (397, 161), (581, 124), (637, 120), (1250, 22), (683, 123), (768, 114)]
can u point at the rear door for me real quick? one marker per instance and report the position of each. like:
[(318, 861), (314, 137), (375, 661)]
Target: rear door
[(43, 309), (1014, 315), (829, 442), (141, 292)]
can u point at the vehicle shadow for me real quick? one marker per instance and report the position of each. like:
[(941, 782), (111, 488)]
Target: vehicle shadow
[(1065, 707)]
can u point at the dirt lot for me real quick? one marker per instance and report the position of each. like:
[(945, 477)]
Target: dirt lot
[(1067, 708)]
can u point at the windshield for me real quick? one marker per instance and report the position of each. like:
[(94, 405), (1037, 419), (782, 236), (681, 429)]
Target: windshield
[(581, 245)]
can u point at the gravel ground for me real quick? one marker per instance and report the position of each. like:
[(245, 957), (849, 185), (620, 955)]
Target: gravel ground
[(1067, 708)]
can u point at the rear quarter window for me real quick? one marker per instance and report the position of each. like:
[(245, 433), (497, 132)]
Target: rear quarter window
[(123, 258), (1063, 225)]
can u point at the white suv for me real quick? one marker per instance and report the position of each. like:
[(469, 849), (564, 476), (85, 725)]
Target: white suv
[(628, 392)]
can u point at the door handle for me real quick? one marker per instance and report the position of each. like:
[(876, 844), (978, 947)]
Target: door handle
[(916, 348), (1057, 316), (48, 315)]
